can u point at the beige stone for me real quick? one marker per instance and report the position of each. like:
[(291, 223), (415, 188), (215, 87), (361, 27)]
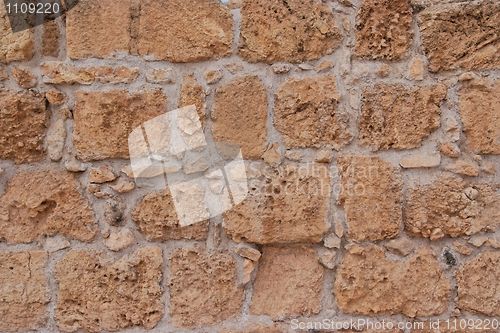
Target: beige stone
[(383, 29), (327, 257), (45, 203), (393, 116), (60, 73), (402, 246), (74, 165), (464, 167), (248, 253), (307, 114), (478, 282), (480, 114), (308, 32), (103, 120), (90, 24), (24, 77), (23, 123), (371, 191), (422, 160), (123, 185), (457, 36), (171, 30), (17, 46), (213, 76), (24, 293), (102, 174), (192, 93), (203, 288), (448, 205), (119, 240), (297, 291), (160, 75), (54, 244), (240, 115), (449, 149), (368, 283), (248, 269), (287, 204), (273, 154), (156, 218), (56, 137), (55, 97), (96, 293)]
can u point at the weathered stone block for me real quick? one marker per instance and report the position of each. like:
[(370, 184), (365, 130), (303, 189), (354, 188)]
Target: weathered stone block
[(288, 204), (371, 193), (157, 219), (45, 203), (104, 120), (23, 124), (297, 291), (292, 31), (96, 293), (307, 114), (203, 288)]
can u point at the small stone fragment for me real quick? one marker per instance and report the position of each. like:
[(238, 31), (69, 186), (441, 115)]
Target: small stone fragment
[(327, 257), (102, 174), (75, 165), (273, 155), (324, 66), (331, 241), (478, 240), (248, 268), (160, 76), (462, 248), (281, 68), (402, 246), (422, 160), (248, 253), (449, 149), (54, 244), (123, 185), (119, 240), (56, 137), (55, 97), (213, 76), (24, 77), (464, 167)]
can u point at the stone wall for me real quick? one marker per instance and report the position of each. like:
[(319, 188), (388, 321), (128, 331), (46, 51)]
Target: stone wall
[(371, 130)]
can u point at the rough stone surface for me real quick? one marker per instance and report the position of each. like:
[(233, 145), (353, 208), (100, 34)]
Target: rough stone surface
[(90, 24), (461, 36), (55, 140), (297, 292), (156, 218), (23, 123), (240, 115), (60, 73), (368, 283), (383, 29), (420, 161), (96, 293), (103, 120), (306, 113), (24, 77), (453, 206), (292, 31), (50, 39), (119, 240), (24, 291), (480, 115), (371, 191), (44, 203), (14, 46), (102, 174), (478, 282), (203, 288), (393, 116), (174, 31), (192, 93), (286, 204)]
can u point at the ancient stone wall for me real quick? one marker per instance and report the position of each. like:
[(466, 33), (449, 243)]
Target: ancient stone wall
[(371, 134)]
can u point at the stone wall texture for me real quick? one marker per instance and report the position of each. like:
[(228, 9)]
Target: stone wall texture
[(370, 131)]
